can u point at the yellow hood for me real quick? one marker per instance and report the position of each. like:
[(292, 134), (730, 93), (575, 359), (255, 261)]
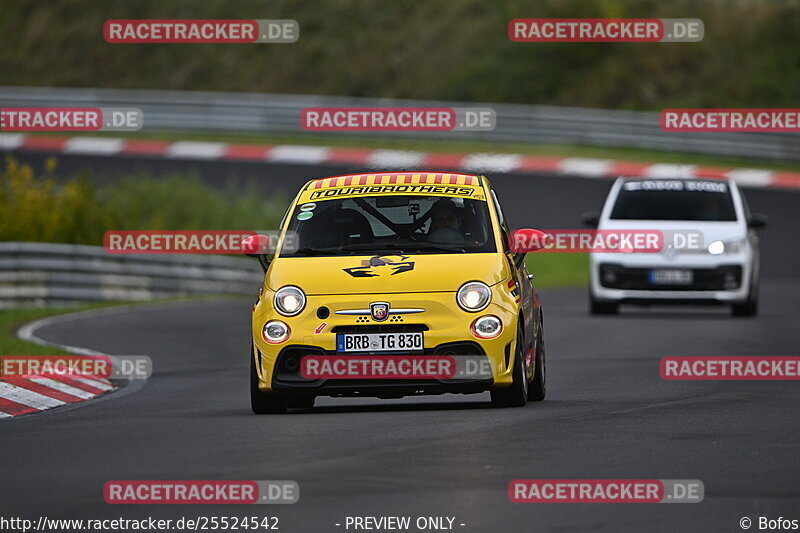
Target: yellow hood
[(386, 273)]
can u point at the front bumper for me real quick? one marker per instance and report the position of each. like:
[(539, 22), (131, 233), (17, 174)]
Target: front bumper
[(714, 280), (445, 327)]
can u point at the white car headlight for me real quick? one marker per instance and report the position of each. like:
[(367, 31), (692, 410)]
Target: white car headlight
[(729, 247), (275, 332), (290, 300), (716, 248), (474, 296)]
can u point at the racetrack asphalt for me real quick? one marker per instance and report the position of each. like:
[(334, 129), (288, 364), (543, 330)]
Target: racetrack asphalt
[(608, 413)]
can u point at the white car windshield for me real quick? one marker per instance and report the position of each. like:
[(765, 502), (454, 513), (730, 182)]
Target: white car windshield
[(698, 200)]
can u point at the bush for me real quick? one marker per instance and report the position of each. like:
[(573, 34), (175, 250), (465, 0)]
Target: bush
[(78, 211)]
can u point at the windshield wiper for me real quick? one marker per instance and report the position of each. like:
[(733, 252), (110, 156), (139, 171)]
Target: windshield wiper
[(315, 251), (439, 248), (374, 247), (418, 247), (379, 248)]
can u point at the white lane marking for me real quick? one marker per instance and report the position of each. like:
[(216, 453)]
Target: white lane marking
[(502, 163), (196, 150), (295, 153), (93, 145), (96, 384), (10, 141), (751, 177), (669, 170), (27, 397), (395, 159), (26, 333), (585, 166), (63, 387)]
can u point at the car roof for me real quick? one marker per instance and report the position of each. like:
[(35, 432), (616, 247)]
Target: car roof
[(386, 178)]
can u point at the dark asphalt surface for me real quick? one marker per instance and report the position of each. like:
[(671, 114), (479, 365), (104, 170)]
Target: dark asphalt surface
[(608, 413)]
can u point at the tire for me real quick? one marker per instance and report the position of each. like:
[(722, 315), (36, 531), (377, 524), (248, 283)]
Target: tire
[(537, 390), (261, 403), (516, 394), (750, 306), (597, 307)]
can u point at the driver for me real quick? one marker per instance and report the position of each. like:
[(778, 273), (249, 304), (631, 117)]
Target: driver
[(445, 223)]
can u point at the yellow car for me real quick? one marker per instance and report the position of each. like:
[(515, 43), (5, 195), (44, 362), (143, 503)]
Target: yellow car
[(386, 269)]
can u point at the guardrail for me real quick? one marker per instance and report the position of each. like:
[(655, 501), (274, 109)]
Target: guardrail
[(43, 274), (193, 111)]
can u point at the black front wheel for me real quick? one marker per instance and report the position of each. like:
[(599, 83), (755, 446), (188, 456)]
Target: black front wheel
[(598, 307), (264, 403), (516, 394), (538, 387), (750, 306)]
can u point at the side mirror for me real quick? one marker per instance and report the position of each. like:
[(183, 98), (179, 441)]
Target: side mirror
[(591, 218), (758, 221), (527, 240), (257, 246)]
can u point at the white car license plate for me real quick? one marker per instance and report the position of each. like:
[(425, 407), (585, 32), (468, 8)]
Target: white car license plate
[(379, 342), (671, 277)]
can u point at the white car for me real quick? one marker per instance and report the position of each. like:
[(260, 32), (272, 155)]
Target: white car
[(709, 253)]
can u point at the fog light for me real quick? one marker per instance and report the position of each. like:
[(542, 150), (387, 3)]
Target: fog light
[(486, 327), (275, 332), (290, 364), (730, 281), (609, 277)]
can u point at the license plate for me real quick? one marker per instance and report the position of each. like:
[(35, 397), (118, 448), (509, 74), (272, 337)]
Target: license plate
[(671, 277), (379, 342)]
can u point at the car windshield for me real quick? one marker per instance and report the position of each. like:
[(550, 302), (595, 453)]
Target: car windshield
[(674, 200), (397, 224)]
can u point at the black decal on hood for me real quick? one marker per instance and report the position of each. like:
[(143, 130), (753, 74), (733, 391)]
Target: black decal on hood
[(380, 265)]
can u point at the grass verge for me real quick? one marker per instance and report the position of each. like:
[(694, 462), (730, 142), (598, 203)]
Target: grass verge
[(558, 270)]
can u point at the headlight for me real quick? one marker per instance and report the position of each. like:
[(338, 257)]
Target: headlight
[(730, 247), (716, 247), (275, 332), (474, 296), (486, 327), (290, 300)]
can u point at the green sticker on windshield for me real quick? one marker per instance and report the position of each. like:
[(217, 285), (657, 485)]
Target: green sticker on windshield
[(308, 207), (305, 215)]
